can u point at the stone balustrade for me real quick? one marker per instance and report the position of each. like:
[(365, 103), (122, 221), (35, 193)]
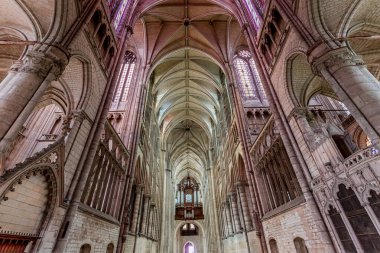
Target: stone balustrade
[(361, 156), (115, 146)]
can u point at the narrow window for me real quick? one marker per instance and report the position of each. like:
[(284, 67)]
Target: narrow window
[(341, 230), (299, 243), (110, 248), (248, 77), (254, 14), (273, 246), (374, 201), (120, 15), (125, 78), (86, 248), (360, 221)]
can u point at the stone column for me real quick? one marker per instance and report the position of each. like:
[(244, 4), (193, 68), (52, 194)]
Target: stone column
[(22, 88), (222, 222), (136, 208), (357, 88), (145, 215), (235, 211), (230, 217), (151, 221), (244, 206), (227, 216), (196, 196)]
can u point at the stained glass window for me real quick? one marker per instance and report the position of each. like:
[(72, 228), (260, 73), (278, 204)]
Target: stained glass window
[(245, 78), (248, 77), (120, 14), (254, 15), (125, 78)]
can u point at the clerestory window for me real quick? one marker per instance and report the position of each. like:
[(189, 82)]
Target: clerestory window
[(125, 78), (248, 78), (120, 14), (254, 9)]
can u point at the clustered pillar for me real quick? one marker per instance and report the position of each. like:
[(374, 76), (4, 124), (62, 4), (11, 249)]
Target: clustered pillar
[(144, 218), (247, 222), (357, 88), (22, 88), (234, 213), (136, 209), (145, 214)]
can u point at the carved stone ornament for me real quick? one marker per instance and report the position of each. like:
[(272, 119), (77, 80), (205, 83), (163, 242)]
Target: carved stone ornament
[(322, 197), (335, 60), (49, 157), (41, 64), (299, 112), (315, 139)]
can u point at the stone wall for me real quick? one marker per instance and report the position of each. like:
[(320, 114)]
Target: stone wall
[(238, 243), (140, 244), (91, 230), (293, 223)]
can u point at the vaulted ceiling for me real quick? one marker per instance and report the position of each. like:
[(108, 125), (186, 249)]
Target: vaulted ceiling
[(188, 45)]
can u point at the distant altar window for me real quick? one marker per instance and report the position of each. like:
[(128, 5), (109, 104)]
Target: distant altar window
[(189, 229), (189, 248)]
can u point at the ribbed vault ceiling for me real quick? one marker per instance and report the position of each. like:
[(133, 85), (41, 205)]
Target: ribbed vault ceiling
[(187, 43)]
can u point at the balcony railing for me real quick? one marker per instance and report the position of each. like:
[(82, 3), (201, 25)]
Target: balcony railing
[(115, 146), (361, 156)]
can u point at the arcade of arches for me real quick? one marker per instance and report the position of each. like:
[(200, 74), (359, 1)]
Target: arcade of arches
[(189, 126)]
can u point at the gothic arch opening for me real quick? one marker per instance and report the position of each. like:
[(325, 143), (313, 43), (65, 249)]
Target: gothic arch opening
[(26, 207), (42, 128), (85, 248), (189, 248), (361, 223)]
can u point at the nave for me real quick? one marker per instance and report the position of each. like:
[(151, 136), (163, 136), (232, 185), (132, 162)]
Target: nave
[(189, 126)]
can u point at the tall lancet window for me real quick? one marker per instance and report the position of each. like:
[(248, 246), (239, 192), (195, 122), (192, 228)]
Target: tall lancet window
[(113, 4), (125, 78), (120, 15), (255, 17), (248, 77)]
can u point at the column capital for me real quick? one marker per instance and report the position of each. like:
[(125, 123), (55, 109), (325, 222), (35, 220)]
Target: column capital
[(139, 186), (334, 60), (241, 183), (299, 112), (232, 194), (42, 64)]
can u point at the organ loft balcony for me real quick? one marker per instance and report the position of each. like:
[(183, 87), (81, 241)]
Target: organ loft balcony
[(188, 200)]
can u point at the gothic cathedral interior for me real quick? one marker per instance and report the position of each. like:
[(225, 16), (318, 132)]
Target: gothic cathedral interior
[(189, 126)]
